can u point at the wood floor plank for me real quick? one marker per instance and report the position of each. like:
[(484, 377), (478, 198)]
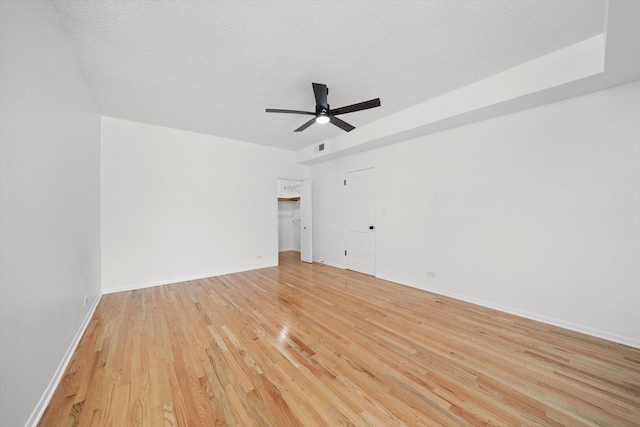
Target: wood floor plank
[(308, 344)]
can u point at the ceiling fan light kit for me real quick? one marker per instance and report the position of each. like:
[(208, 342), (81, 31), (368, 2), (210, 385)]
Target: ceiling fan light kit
[(322, 118), (324, 114)]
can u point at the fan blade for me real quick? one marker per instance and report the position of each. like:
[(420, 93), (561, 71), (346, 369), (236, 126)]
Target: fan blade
[(275, 110), (357, 107), (341, 124), (320, 91), (306, 125)]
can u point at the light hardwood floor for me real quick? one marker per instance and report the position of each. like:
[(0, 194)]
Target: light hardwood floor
[(305, 345)]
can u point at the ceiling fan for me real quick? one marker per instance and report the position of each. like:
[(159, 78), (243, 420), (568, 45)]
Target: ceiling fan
[(324, 114)]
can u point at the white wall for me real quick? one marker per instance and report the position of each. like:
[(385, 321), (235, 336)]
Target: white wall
[(536, 212), (178, 205), (49, 205), (288, 230)]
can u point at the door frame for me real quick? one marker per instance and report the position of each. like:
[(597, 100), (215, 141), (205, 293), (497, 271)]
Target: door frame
[(309, 253), (306, 221)]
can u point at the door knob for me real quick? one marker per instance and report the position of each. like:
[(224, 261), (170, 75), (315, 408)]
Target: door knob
[(371, 227)]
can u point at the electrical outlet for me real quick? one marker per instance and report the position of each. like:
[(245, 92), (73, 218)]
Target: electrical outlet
[(431, 274)]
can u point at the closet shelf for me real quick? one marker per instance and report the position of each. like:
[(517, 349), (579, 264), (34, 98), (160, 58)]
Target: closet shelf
[(288, 199)]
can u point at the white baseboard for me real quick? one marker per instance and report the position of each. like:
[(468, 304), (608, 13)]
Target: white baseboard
[(342, 267), (136, 286), (34, 419), (628, 341)]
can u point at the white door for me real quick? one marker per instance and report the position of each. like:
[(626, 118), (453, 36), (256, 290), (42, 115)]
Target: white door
[(361, 246), (306, 247)]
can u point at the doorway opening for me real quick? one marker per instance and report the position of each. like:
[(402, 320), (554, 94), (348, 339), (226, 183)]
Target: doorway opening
[(294, 217)]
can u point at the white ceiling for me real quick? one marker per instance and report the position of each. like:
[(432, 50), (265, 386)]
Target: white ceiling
[(214, 66)]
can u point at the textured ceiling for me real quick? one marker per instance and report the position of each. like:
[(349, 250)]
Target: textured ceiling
[(214, 66)]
